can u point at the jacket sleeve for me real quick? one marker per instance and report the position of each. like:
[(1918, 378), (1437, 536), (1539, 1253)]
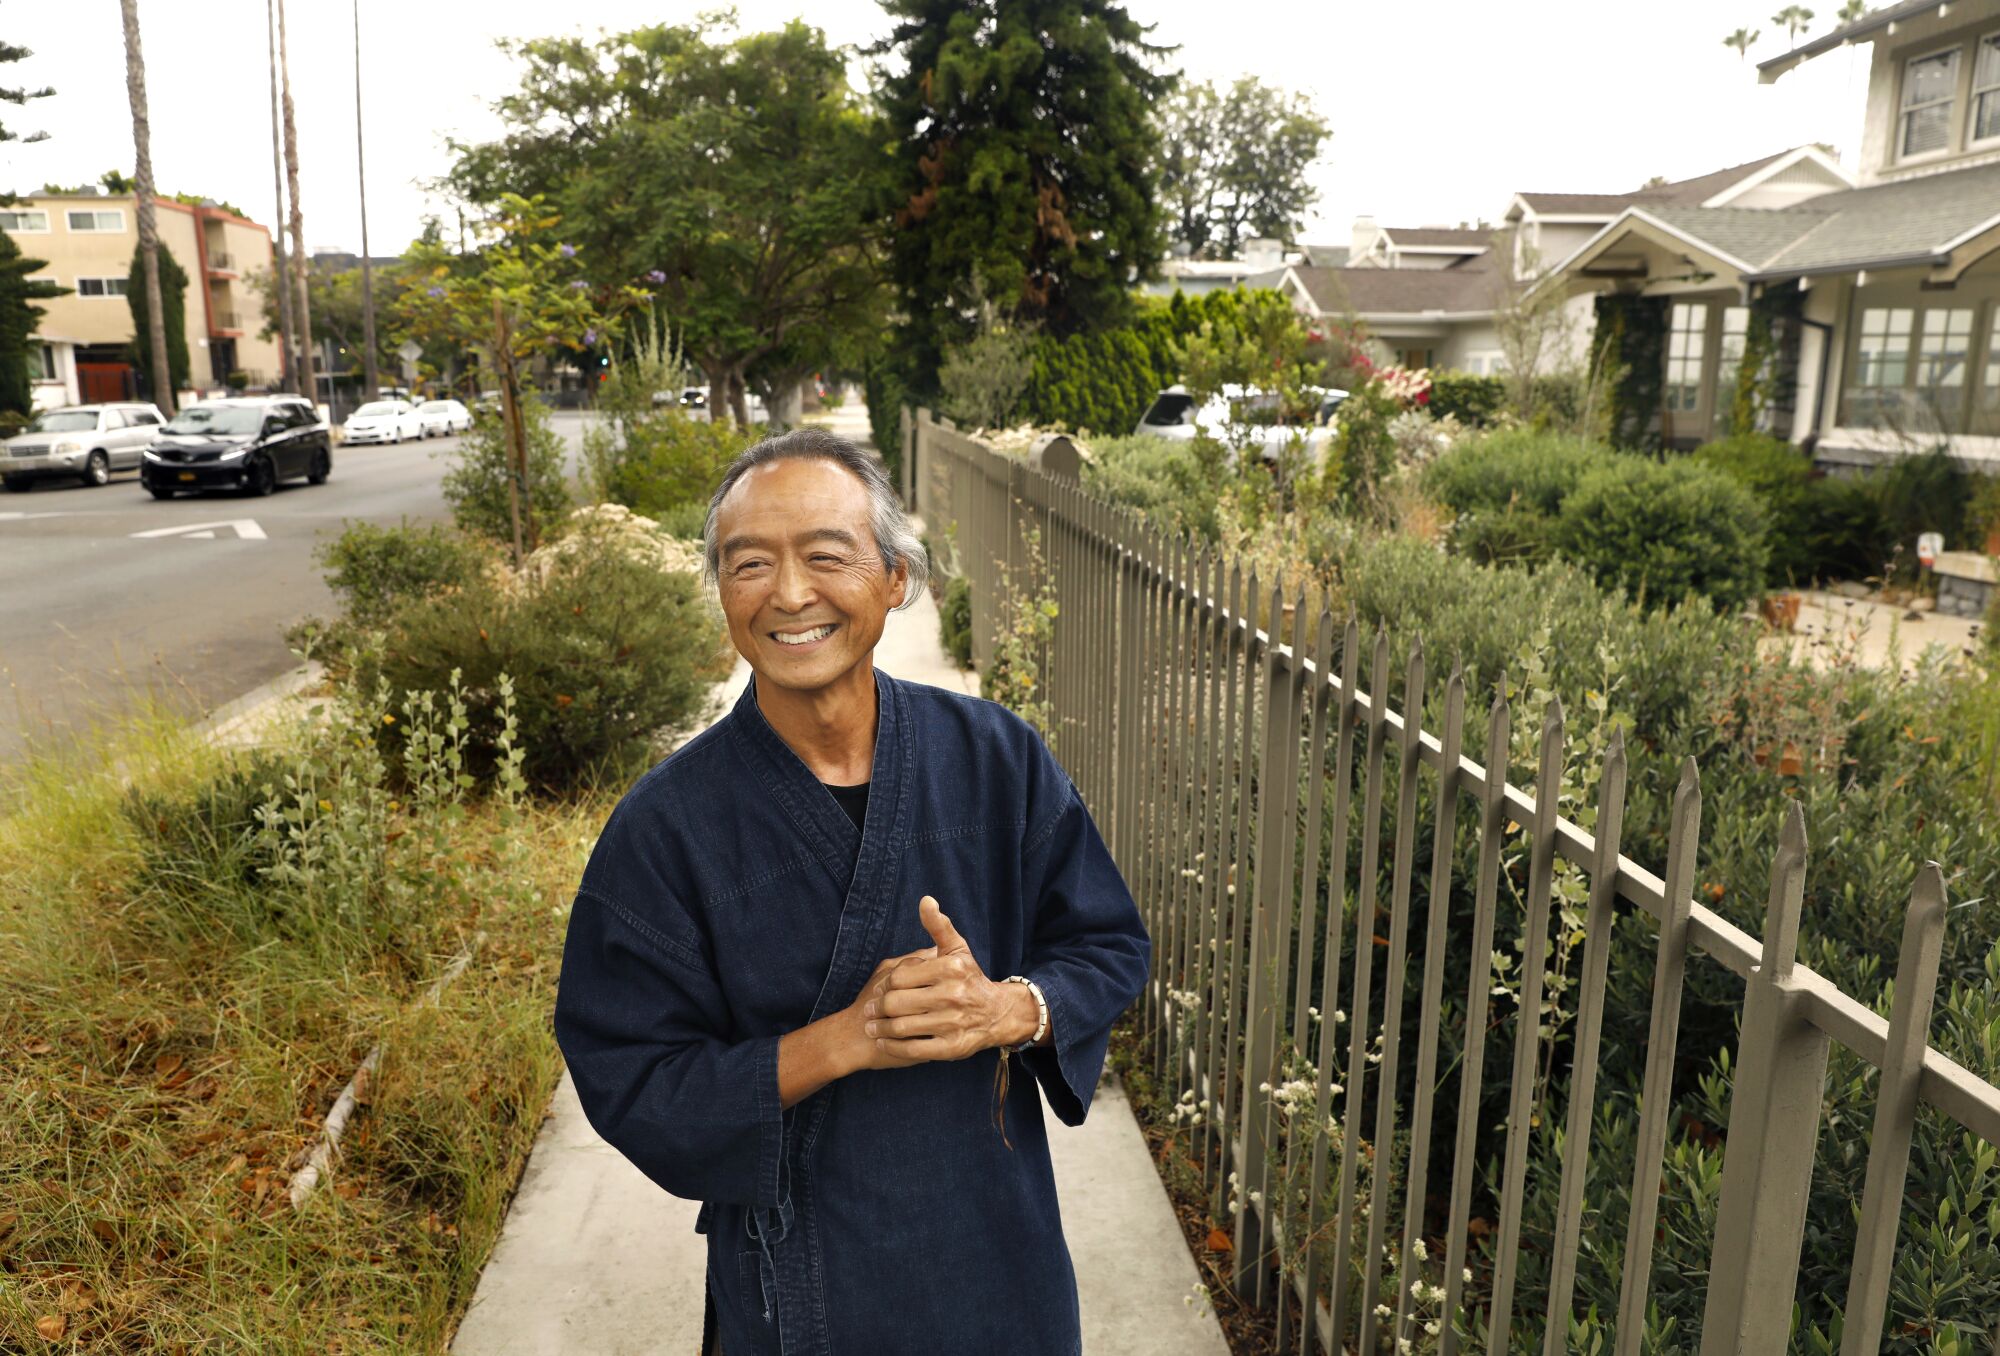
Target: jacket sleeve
[(644, 1028), (1088, 949)]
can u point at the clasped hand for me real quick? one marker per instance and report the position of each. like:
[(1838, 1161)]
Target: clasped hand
[(931, 1004)]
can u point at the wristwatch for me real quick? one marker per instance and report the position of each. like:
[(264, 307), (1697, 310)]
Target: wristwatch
[(1041, 1011)]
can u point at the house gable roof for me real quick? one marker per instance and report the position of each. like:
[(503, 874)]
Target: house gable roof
[(1912, 221), (1863, 29), (1716, 186), (1398, 291), (1468, 239)]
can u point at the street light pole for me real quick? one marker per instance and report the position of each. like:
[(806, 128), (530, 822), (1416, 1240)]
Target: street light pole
[(369, 376)]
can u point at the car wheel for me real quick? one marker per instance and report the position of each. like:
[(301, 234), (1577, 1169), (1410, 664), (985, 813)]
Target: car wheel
[(321, 468), (159, 492), (263, 477), (96, 469)]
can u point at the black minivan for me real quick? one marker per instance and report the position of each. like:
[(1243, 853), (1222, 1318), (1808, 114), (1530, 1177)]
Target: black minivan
[(246, 443)]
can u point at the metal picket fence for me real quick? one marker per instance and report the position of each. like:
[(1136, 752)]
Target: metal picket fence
[(1184, 724)]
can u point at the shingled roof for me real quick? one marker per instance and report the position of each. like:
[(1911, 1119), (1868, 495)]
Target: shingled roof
[(1400, 291), (1436, 237), (1906, 222), (1690, 192)]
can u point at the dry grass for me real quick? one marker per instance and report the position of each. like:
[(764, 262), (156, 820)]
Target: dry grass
[(172, 1041)]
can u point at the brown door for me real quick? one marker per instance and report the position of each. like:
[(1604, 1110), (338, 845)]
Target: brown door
[(101, 382)]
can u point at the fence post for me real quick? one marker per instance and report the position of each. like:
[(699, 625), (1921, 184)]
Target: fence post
[(1774, 1113)]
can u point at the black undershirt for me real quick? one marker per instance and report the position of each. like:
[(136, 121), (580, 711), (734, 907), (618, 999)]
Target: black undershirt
[(852, 799)]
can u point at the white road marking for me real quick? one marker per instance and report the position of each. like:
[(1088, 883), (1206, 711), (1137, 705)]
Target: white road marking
[(246, 528), (51, 514)]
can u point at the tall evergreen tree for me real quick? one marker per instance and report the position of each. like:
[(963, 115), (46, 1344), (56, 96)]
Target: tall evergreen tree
[(1024, 166), (173, 312), (19, 319)]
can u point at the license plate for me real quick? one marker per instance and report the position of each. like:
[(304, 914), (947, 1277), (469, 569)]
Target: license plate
[(187, 475)]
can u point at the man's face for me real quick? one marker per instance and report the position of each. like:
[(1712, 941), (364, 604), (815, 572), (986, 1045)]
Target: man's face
[(802, 583)]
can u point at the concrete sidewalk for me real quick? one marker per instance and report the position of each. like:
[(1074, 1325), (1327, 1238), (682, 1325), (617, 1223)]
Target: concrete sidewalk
[(595, 1260)]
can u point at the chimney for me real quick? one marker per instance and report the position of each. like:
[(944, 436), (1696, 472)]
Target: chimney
[(1263, 253)]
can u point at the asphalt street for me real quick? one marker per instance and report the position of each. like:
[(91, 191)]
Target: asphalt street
[(107, 595)]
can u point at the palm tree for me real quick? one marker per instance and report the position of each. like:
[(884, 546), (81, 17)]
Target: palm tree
[(1793, 18), (1852, 11), (301, 311), (1742, 40), (280, 276), (149, 231)]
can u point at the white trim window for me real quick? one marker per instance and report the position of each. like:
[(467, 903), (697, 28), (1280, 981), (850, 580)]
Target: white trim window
[(1986, 412), (96, 222), (1944, 348), (1881, 365), (22, 221), (1985, 125), (49, 370), (1930, 87), (100, 287), (1687, 344)]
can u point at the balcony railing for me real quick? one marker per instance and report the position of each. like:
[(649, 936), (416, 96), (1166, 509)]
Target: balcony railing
[(221, 261)]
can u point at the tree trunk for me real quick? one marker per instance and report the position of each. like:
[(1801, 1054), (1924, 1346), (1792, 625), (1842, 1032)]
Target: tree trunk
[(370, 378), (149, 233), (510, 410), (288, 356), (308, 378)]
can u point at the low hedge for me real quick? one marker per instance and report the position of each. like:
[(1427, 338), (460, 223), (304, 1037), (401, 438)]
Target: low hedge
[(1474, 399)]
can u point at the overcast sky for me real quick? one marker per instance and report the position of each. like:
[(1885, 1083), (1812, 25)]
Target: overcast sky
[(1441, 109)]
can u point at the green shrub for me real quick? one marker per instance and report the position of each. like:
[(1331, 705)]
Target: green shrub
[(1925, 493), (476, 484), (982, 379), (1781, 477), (1473, 399), (1664, 531), (684, 520), (1097, 383), (955, 620), (1535, 471), (605, 651), (885, 393), (657, 462), (374, 569), (1169, 481)]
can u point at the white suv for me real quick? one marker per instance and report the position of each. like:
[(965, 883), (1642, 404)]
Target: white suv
[(1173, 415), (88, 442)]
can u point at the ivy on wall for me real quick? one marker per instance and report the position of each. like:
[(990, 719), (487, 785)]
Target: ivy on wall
[(1631, 344), (1769, 368)]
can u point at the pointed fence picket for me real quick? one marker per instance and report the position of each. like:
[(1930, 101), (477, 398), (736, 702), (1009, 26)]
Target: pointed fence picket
[(1189, 728)]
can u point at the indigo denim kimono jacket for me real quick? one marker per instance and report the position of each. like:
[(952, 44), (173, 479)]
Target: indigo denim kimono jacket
[(730, 900)]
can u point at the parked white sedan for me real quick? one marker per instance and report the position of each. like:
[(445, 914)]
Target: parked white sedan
[(444, 417), (384, 421)]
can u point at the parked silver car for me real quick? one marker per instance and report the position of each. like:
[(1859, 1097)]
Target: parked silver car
[(88, 442)]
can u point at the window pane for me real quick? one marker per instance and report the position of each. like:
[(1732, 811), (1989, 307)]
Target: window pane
[(1735, 324), (1686, 342), (1926, 129), (1930, 79), (1986, 116), (1986, 405), (1986, 69)]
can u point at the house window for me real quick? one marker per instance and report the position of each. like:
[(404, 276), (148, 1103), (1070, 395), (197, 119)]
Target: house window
[(1687, 341), (1986, 89), (1988, 405), (1943, 349), (100, 287), (89, 222), (1929, 84), (31, 223), (48, 364)]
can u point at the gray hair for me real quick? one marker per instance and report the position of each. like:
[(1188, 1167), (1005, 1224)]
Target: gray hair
[(894, 537)]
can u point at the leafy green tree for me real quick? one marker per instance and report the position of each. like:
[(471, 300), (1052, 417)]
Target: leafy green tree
[(1233, 164), (1793, 19), (19, 319), (173, 310), (1024, 166), (736, 177), (523, 295)]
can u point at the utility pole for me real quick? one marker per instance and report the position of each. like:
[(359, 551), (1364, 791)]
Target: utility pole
[(288, 361), (149, 231), (369, 376), (308, 379)]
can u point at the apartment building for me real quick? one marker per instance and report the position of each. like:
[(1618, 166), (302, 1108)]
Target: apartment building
[(86, 337)]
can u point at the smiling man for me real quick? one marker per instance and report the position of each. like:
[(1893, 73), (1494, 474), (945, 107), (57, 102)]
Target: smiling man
[(807, 944)]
